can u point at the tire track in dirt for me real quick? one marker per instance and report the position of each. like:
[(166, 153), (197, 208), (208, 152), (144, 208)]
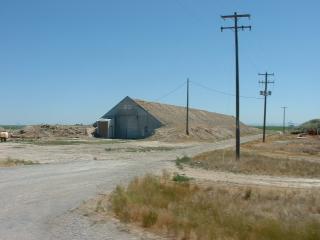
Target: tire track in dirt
[(243, 179)]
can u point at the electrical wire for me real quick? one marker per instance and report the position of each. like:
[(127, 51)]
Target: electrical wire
[(171, 92), (221, 92), (204, 87)]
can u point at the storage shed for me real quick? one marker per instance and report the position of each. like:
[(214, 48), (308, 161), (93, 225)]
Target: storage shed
[(136, 119), (127, 120)]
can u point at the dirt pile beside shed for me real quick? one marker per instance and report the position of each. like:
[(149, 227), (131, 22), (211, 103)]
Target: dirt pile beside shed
[(53, 131)]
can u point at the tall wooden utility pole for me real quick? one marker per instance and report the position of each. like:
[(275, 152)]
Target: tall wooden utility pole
[(284, 120), (235, 17), (265, 93), (187, 117)]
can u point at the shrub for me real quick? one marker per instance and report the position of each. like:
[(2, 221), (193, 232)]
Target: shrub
[(188, 211), (149, 219), (182, 160), (180, 178)]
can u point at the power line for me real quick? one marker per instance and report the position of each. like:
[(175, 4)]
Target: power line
[(171, 92), (252, 61), (236, 28), (222, 92), (265, 93), (204, 87), (211, 89)]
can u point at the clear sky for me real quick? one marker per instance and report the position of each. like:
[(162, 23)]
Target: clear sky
[(70, 61)]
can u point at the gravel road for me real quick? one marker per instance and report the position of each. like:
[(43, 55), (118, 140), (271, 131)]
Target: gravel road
[(33, 198), (36, 200)]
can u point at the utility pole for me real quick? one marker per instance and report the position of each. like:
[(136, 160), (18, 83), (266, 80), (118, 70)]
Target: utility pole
[(187, 119), (265, 93), (235, 17), (284, 120)]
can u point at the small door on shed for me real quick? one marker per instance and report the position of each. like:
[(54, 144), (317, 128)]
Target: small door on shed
[(121, 127), (103, 129), (133, 127)]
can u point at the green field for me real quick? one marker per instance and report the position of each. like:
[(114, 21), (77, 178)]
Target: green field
[(13, 127), (271, 128)]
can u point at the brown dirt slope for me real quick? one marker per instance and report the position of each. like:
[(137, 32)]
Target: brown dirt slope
[(204, 125)]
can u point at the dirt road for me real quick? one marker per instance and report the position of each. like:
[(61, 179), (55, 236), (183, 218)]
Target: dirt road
[(36, 200)]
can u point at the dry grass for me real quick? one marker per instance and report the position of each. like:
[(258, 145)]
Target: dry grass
[(9, 162), (183, 210), (255, 163), (287, 145)]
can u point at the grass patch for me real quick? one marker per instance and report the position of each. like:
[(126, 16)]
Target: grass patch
[(181, 178), (12, 127), (286, 145), (271, 128), (10, 162), (186, 211), (254, 163), (182, 160)]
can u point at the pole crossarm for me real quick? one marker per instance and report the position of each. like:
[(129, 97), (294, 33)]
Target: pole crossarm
[(239, 27), (263, 74), (267, 82), (235, 15), (266, 74)]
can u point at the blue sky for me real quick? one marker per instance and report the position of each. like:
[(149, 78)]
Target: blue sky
[(70, 61)]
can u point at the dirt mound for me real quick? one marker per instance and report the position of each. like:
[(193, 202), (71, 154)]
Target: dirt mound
[(312, 126), (203, 125), (53, 131)]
